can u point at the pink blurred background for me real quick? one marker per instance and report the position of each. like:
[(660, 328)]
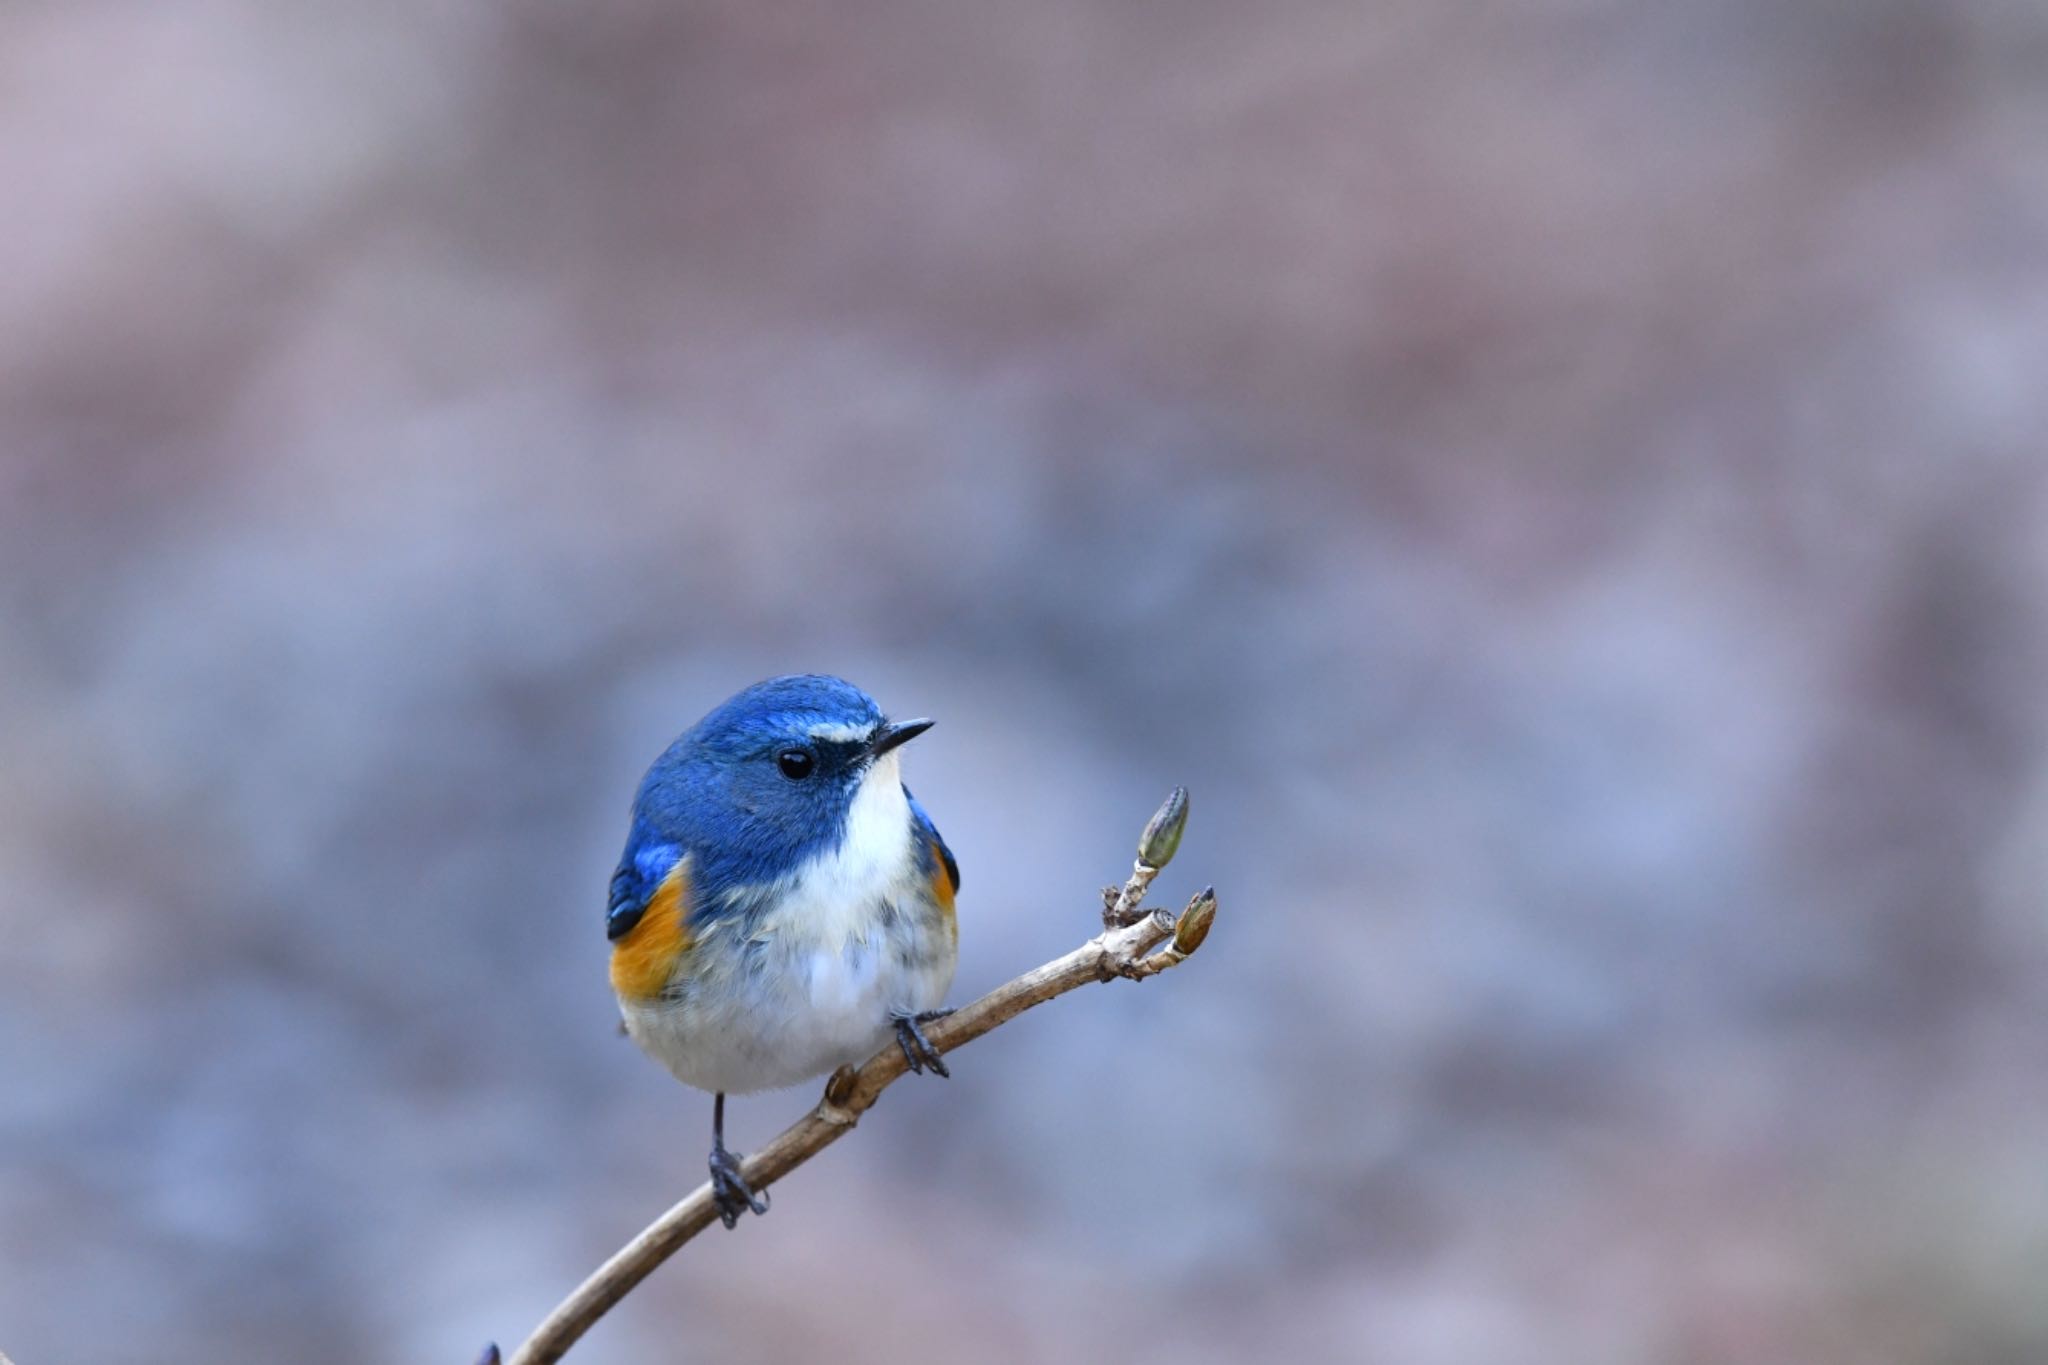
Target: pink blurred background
[(1562, 481)]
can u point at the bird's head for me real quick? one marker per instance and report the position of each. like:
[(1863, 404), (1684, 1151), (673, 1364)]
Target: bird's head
[(779, 773)]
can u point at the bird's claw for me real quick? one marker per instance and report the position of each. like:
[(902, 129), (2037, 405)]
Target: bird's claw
[(732, 1194), (918, 1051)]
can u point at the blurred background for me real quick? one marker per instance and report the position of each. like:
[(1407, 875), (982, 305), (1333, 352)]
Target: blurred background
[(1561, 482)]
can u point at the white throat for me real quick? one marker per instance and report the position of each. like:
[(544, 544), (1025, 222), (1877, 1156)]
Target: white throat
[(875, 853)]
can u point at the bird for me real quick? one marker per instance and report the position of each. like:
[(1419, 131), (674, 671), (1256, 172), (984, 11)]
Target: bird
[(784, 906)]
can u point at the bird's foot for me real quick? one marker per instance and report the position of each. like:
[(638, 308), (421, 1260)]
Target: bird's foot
[(732, 1194), (917, 1049)]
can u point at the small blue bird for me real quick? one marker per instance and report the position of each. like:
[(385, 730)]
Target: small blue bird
[(784, 904)]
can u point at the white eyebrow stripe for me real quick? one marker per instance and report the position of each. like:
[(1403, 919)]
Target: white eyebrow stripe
[(835, 732)]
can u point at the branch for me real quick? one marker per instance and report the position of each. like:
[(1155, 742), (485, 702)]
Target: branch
[(1123, 949)]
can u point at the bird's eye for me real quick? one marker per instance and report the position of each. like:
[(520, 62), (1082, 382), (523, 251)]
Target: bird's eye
[(796, 764)]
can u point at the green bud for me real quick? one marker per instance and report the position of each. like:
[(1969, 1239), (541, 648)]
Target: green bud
[(1161, 839), (1194, 922)]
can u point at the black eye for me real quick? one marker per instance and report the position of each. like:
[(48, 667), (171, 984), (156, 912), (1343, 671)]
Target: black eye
[(796, 764)]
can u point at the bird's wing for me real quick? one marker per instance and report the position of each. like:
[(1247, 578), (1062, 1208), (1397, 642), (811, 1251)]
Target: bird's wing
[(643, 868), (933, 839)]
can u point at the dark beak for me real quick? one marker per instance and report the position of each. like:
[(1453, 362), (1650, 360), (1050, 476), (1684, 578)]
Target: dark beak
[(895, 733)]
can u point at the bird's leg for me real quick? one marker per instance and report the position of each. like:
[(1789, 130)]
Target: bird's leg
[(731, 1192), (917, 1049)]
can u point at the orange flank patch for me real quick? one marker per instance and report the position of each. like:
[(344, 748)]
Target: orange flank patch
[(644, 959), (942, 892)]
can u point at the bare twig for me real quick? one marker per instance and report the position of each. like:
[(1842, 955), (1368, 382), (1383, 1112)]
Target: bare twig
[(1124, 950)]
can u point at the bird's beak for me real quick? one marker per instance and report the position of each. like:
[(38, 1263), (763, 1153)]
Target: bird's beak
[(895, 733)]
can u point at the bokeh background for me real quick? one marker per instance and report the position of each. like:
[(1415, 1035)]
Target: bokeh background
[(1561, 481)]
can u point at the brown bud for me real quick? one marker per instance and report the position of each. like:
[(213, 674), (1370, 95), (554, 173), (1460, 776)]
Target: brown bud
[(1194, 922)]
